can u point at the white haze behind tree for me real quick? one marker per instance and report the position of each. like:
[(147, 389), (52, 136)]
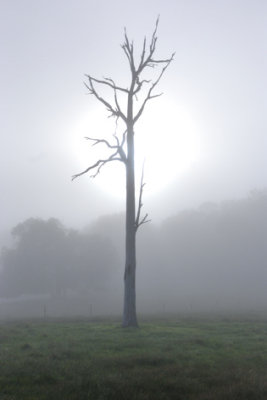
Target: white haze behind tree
[(210, 259), (218, 78)]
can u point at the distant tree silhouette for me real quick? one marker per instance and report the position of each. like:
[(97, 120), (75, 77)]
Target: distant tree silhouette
[(122, 147), (47, 258)]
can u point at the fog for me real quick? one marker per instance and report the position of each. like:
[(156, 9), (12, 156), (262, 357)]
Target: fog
[(192, 256), (209, 259)]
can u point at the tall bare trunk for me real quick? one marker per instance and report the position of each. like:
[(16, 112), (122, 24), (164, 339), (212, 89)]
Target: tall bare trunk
[(133, 220), (129, 308)]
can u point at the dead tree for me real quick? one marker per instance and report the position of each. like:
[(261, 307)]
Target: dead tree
[(122, 147)]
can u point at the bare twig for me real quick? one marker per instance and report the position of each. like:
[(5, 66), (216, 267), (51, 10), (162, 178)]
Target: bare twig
[(99, 141)]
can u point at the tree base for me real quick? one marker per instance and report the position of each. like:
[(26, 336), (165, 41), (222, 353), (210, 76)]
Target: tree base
[(130, 325)]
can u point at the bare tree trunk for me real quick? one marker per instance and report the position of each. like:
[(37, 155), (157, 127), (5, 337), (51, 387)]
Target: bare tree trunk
[(137, 86), (129, 307)]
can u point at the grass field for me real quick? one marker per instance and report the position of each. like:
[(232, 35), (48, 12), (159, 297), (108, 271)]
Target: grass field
[(172, 358)]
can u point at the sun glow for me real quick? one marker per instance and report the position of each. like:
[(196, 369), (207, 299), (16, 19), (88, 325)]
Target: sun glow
[(165, 143)]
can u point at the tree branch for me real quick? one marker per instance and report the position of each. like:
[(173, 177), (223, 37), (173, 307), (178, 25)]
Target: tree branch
[(98, 141), (140, 85), (99, 165), (152, 87), (143, 53), (129, 51), (152, 47), (144, 220), (118, 146), (115, 112), (109, 82)]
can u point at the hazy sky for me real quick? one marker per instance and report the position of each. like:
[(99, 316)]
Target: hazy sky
[(214, 95)]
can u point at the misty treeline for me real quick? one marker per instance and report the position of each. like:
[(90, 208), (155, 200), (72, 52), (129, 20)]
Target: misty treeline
[(209, 258), (48, 258)]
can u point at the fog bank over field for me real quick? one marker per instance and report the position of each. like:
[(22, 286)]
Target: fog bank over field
[(211, 258)]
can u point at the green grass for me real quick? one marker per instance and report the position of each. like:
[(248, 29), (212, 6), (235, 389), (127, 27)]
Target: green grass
[(181, 359)]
